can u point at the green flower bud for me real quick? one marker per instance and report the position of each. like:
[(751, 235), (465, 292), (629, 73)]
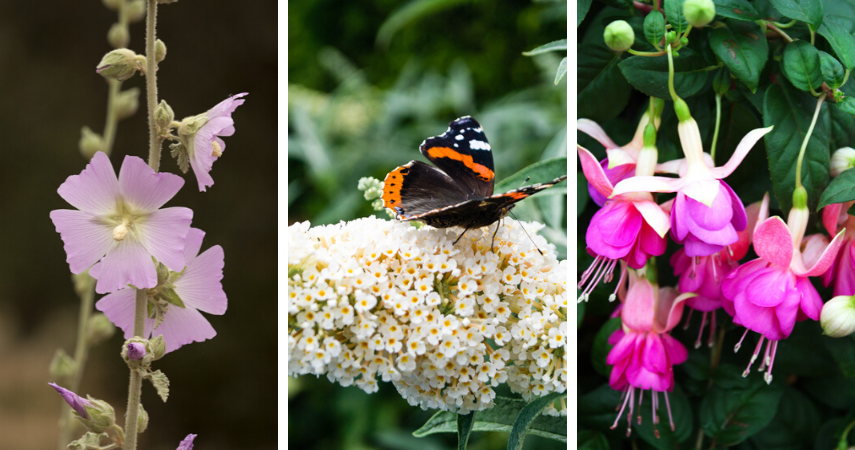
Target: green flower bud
[(699, 12), (682, 110), (838, 316), (619, 36), (159, 51), (684, 41), (118, 35), (62, 365), (90, 143), (120, 64), (142, 420), (135, 10), (670, 36), (113, 5), (127, 103), (157, 346), (101, 416), (800, 198), (842, 159), (163, 117), (100, 329)]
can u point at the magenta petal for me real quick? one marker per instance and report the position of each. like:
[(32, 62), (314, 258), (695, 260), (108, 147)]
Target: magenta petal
[(739, 215), (651, 242), (678, 224), (825, 260), (145, 189), (95, 190), (182, 326), (618, 223), (654, 216), (594, 172), (702, 191), (770, 287), (773, 242), (86, 239), (811, 302), (127, 263), (654, 358), (199, 287), (192, 244), (788, 312), (677, 353), (713, 217), (163, 234), (697, 247), (830, 215), (119, 308), (621, 350), (638, 309), (759, 319)]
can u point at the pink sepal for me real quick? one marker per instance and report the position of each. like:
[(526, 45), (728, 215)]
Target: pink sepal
[(823, 262), (594, 172), (741, 152), (648, 184), (594, 130), (773, 242), (654, 216)]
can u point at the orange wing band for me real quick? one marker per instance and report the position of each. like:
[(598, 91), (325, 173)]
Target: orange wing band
[(483, 171), (392, 187)]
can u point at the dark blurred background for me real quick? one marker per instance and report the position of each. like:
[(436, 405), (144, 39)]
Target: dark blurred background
[(368, 81), (223, 389)]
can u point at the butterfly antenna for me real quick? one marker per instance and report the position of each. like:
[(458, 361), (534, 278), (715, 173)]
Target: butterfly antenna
[(524, 182), (526, 232)]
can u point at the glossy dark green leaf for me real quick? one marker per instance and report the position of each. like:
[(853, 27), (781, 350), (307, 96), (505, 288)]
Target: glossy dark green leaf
[(843, 351), (743, 49), (802, 66), (840, 190), (809, 11), (601, 347), (654, 28), (842, 128), (794, 426), (464, 429), (582, 7), (554, 46), (674, 14), (591, 440), (791, 111), (736, 9), (596, 409), (525, 419), (681, 412), (835, 391), (834, 30), (736, 408), (650, 74), (832, 71), (602, 91), (847, 105)]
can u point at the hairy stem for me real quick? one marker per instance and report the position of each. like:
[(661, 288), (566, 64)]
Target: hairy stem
[(154, 142), (135, 387), (81, 353)]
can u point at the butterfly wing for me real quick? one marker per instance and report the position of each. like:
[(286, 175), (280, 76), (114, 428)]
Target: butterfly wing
[(464, 154), (417, 188)]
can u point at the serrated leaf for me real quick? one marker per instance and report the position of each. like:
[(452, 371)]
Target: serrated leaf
[(802, 66), (160, 382), (89, 441), (562, 70), (809, 11), (674, 14), (837, 34), (559, 45), (654, 28), (179, 152), (464, 428), (650, 74), (791, 111), (736, 9), (743, 49), (832, 71), (601, 90), (840, 190), (526, 418)]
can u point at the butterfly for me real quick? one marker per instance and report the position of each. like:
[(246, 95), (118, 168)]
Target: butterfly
[(458, 190)]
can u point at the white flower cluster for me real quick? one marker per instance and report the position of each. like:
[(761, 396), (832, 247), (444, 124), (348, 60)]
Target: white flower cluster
[(375, 297)]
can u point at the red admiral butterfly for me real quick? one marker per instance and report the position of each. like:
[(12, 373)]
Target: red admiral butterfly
[(458, 192)]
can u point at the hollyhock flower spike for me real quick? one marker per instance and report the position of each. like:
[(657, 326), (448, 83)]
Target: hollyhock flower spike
[(706, 214), (120, 223), (644, 353), (630, 227), (772, 292), (175, 303), (842, 273)]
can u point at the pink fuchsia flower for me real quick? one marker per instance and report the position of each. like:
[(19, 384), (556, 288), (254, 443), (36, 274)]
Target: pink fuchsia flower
[(76, 402), (644, 353), (842, 272), (120, 223), (177, 300), (200, 138), (706, 214), (769, 294), (629, 227), (187, 443)]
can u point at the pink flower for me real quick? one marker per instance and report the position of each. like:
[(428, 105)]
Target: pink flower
[(644, 353), (187, 443), (631, 227), (120, 223), (76, 402), (842, 271), (769, 294), (706, 214), (620, 161), (201, 137), (198, 288)]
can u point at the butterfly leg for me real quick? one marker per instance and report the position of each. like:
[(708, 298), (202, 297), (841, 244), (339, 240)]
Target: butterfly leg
[(498, 222), (461, 234)]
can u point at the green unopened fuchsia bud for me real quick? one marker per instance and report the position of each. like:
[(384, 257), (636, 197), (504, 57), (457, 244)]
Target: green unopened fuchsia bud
[(619, 36), (699, 12), (838, 316), (842, 159)]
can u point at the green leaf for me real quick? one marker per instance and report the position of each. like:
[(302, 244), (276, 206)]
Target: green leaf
[(842, 129), (743, 49), (596, 409), (802, 66), (498, 418), (674, 14), (591, 440), (736, 9), (840, 190), (160, 382), (736, 408), (559, 45), (851, 210), (795, 424), (410, 12), (601, 348), (582, 7), (562, 70), (580, 314), (835, 391), (601, 90), (843, 351), (654, 29), (847, 105), (464, 428), (791, 111), (832, 70), (539, 172), (526, 418), (581, 193), (650, 74), (809, 11), (681, 412), (837, 33)]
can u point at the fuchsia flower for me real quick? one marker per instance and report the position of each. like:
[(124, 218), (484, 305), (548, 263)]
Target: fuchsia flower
[(198, 287), (706, 214), (644, 353), (842, 272), (631, 227), (201, 137), (769, 294), (120, 223)]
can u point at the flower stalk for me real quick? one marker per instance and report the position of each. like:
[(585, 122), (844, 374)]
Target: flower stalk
[(805, 142)]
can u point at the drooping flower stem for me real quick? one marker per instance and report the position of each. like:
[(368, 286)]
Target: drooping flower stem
[(717, 125), (671, 89), (135, 387), (805, 142), (154, 141)]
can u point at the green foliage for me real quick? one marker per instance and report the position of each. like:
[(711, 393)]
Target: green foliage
[(650, 75), (743, 49), (654, 29), (840, 190), (808, 11), (736, 9), (602, 92), (835, 30), (802, 66), (674, 14)]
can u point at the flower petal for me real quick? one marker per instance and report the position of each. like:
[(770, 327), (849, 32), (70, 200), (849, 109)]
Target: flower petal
[(830, 215), (703, 191), (811, 302), (145, 189), (648, 184), (825, 260), (638, 309), (594, 172), (119, 308), (163, 235), (127, 263), (85, 238), (95, 190), (741, 152), (192, 244), (182, 326), (654, 216), (773, 242), (594, 130), (200, 286)]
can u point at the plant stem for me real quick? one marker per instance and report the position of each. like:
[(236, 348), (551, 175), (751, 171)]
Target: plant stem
[(717, 126), (154, 142), (671, 73), (805, 141), (112, 120), (81, 353), (779, 31), (135, 388), (638, 53)]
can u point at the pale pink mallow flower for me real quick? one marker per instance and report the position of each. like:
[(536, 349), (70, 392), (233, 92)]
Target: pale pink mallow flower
[(644, 353), (706, 214), (835, 218), (206, 145), (630, 227), (120, 222), (769, 294), (198, 287)]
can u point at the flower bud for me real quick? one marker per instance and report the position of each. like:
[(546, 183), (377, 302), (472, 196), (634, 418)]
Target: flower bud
[(127, 103), (135, 10), (163, 117), (159, 51), (619, 36), (136, 351), (62, 366), (120, 64), (142, 419), (699, 12), (842, 159), (800, 198), (157, 346), (90, 143), (118, 35), (101, 416), (187, 443), (76, 402), (113, 5), (838, 316), (100, 329)]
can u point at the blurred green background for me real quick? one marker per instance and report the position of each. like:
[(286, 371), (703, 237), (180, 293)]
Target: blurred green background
[(223, 389), (368, 82)]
